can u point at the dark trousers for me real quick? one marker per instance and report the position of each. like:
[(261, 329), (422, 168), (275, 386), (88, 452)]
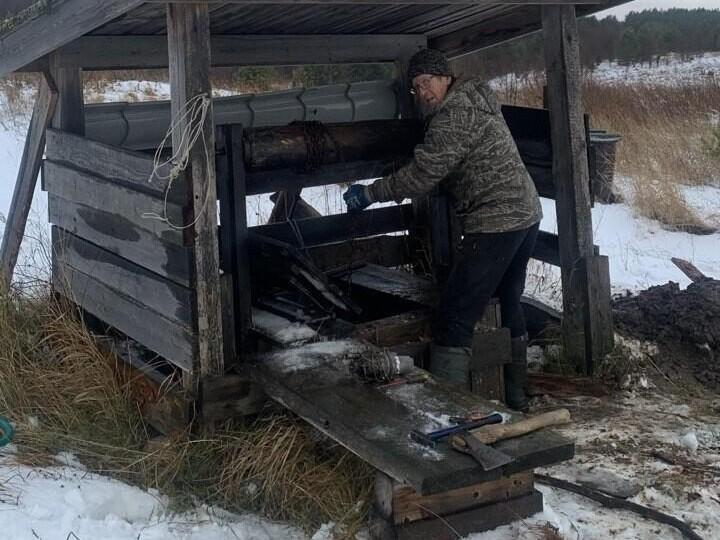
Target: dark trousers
[(487, 265)]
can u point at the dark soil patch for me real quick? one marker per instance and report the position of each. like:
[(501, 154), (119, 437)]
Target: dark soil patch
[(685, 324)]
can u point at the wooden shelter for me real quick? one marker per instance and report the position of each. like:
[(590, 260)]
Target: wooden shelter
[(184, 288)]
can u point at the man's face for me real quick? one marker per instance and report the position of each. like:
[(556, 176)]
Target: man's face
[(430, 91)]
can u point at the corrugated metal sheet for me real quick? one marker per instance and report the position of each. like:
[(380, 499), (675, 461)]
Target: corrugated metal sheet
[(143, 125)]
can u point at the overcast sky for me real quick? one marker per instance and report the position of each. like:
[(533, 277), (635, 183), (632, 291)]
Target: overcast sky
[(639, 5)]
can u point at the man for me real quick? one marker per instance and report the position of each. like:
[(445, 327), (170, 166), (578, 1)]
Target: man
[(468, 150)]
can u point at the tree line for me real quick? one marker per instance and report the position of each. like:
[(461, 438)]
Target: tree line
[(643, 37)]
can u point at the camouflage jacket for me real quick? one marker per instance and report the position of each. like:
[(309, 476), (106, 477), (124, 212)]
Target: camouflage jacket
[(468, 148)]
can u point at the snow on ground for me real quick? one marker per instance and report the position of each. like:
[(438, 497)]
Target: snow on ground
[(670, 70), (67, 502)]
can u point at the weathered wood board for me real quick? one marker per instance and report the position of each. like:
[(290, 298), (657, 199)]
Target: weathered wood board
[(396, 283), (118, 234), (375, 424), (337, 227), (133, 169), (128, 314), (160, 295), (92, 190)]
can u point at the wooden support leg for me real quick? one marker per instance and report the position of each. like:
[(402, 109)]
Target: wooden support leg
[(27, 176), (189, 59), (586, 320)]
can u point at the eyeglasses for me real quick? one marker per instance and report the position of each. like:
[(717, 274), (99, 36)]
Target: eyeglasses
[(422, 84)]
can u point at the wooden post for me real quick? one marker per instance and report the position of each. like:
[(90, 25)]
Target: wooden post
[(189, 59), (70, 109), (586, 323), (27, 176)]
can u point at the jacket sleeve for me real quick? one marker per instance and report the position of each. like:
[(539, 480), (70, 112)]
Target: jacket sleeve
[(448, 140)]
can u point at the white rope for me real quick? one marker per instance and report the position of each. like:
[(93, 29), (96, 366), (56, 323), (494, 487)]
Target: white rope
[(192, 118)]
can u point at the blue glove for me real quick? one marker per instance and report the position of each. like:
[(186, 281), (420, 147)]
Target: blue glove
[(358, 197)]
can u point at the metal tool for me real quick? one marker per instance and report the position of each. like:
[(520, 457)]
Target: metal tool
[(488, 457), (431, 438)]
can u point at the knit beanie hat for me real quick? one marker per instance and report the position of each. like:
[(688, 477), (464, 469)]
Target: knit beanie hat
[(429, 61)]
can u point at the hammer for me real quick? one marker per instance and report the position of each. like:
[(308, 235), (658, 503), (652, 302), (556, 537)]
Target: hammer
[(431, 438)]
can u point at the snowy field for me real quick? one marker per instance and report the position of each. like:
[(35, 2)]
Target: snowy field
[(67, 502)]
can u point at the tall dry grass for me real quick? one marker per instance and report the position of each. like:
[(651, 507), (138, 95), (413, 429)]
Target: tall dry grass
[(668, 136), (63, 393)]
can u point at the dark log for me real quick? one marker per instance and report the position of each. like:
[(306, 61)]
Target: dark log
[(307, 145)]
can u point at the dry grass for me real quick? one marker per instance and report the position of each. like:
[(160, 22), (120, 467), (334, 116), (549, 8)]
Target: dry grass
[(63, 394), (668, 136)]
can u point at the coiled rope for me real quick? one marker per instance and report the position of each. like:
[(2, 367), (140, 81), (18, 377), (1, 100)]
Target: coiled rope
[(192, 118)]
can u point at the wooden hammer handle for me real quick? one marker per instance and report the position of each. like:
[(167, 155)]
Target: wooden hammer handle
[(499, 432)]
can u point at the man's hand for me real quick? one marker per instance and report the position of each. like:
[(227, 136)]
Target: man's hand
[(358, 197)]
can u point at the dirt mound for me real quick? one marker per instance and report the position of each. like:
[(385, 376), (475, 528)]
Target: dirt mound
[(684, 323)]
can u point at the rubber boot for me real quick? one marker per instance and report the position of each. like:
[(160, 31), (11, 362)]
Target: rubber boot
[(451, 363), (516, 375)]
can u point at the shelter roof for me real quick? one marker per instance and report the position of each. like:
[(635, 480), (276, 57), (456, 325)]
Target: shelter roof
[(34, 28)]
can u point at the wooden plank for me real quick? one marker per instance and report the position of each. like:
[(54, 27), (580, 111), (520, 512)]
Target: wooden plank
[(490, 353), (334, 228), (114, 198), (27, 177), (70, 108), (396, 283), (384, 250), (160, 295), (227, 249), (335, 173), (66, 21), (241, 282), (166, 338), (409, 505), (117, 234), (480, 519), (570, 169), (188, 33), (150, 52), (124, 166), (375, 424), (601, 331), (689, 269)]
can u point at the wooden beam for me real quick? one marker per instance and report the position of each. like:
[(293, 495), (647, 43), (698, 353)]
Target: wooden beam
[(339, 227), (149, 52), (27, 177), (64, 22), (70, 109), (583, 319), (189, 57)]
